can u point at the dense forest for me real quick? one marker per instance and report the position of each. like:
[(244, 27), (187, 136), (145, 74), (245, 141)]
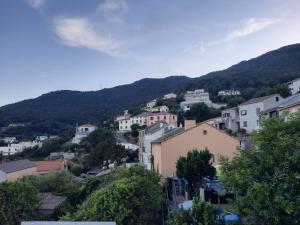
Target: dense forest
[(63, 108)]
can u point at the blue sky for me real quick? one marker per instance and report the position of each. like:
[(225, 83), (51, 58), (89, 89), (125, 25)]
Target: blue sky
[(48, 45)]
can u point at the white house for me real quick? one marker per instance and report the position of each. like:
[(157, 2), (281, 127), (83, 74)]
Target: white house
[(231, 119), (125, 116), (198, 95), (294, 86), (151, 104), (14, 148), (82, 132), (250, 111), (148, 135), (229, 93), (129, 146), (162, 108), (169, 96)]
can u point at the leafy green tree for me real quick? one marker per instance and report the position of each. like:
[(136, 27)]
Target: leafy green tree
[(266, 179), (130, 200), (200, 112), (282, 89), (18, 202), (194, 167), (61, 183), (202, 213), (102, 147)]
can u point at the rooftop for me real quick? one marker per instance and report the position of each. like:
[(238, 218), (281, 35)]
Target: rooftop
[(10, 167), (287, 102), (45, 166), (87, 125), (257, 100), (50, 201)]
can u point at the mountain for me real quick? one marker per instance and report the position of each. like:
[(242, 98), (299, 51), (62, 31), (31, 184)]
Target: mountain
[(70, 107)]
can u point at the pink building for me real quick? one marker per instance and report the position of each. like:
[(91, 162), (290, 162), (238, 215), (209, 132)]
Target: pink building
[(152, 118)]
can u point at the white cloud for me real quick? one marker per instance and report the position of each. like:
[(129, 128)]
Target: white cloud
[(113, 10), (251, 26), (80, 32), (36, 4)]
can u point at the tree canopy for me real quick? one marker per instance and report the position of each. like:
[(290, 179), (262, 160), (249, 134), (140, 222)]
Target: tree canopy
[(18, 202), (136, 198), (195, 166), (266, 179)]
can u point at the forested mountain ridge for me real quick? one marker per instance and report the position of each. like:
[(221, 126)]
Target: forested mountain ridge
[(70, 107)]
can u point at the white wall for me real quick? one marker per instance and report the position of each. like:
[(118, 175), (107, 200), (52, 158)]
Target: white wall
[(295, 86), (3, 176), (251, 118)]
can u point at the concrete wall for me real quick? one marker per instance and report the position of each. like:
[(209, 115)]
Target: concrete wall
[(19, 174), (3, 176), (252, 118), (168, 152), (295, 86)]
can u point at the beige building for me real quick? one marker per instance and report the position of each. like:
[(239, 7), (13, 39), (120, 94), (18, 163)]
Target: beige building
[(167, 149), (11, 171)]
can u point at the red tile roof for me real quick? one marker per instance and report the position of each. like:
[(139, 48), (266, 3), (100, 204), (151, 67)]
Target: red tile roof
[(48, 166)]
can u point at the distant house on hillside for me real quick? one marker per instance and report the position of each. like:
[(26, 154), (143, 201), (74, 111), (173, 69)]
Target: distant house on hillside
[(82, 132), (229, 93), (151, 104), (294, 86), (147, 119), (10, 171), (169, 96), (250, 111), (167, 149), (162, 108), (48, 166)]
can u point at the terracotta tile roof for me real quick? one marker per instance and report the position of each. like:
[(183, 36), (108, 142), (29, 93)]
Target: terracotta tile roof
[(47, 166)]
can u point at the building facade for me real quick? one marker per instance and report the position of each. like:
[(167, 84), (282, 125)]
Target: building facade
[(251, 111), (167, 149), (294, 86), (82, 132)]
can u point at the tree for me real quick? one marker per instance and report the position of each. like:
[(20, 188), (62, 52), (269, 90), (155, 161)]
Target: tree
[(201, 112), (18, 202), (135, 199), (266, 179), (202, 213), (282, 89), (195, 167)]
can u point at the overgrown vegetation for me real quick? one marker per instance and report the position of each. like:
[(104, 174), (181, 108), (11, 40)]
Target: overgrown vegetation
[(266, 179)]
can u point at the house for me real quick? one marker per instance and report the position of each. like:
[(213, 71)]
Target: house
[(229, 93), (9, 140), (231, 119), (10, 171), (82, 132), (13, 148), (48, 203), (47, 166), (286, 108), (147, 119), (151, 104), (62, 155), (167, 149), (169, 96), (194, 97), (162, 108), (148, 135), (41, 138), (129, 146), (125, 116), (294, 86), (250, 111), (66, 223)]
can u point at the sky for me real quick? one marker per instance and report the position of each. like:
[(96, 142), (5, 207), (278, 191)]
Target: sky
[(49, 45)]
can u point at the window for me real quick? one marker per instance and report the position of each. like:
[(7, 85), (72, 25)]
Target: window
[(257, 111), (173, 117), (86, 129), (121, 127), (243, 112), (245, 124), (165, 117), (277, 98), (151, 118), (157, 117), (205, 132), (125, 127)]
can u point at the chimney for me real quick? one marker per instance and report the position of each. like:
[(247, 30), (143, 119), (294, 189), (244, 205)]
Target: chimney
[(189, 124)]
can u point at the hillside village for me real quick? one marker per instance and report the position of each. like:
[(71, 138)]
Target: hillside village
[(156, 138)]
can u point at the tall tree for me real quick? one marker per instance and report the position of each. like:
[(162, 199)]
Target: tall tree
[(18, 202), (135, 199), (195, 166), (266, 179)]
